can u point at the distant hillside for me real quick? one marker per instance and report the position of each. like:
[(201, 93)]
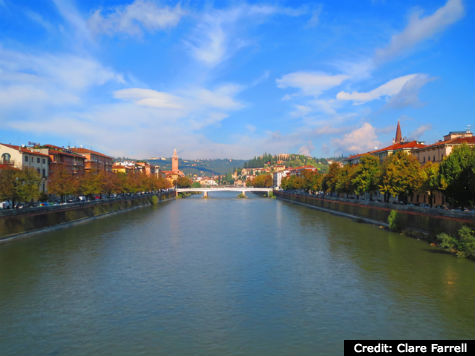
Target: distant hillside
[(208, 167), (289, 160)]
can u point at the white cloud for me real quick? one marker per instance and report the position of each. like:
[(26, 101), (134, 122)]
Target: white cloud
[(360, 140), (310, 83), (134, 18), (421, 130), (219, 33), (407, 84), (420, 28), (47, 79), (148, 97)]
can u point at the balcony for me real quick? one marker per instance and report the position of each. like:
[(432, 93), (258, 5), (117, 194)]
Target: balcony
[(9, 162)]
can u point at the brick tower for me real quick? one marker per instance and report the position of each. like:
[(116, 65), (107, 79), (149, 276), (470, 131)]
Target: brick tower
[(174, 161), (398, 138)]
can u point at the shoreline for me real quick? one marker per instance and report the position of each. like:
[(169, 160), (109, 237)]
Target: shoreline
[(68, 223)]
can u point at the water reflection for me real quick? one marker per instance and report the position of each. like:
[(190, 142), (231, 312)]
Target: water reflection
[(226, 276)]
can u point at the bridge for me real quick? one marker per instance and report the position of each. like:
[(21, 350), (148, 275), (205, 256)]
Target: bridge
[(242, 190)]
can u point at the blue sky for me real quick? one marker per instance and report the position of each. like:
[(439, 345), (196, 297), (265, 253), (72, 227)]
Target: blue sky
[(234, 79)]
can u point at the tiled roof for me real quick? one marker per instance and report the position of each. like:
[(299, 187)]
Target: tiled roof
[(25, 150), (394, 147), (454, 141), (85, 150)]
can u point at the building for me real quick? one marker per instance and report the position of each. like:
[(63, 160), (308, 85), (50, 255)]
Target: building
[(173, 175), (399, 144), (21, 157), (299, 171), (174, 161), (72, 162), (437, 151), (95, 161)]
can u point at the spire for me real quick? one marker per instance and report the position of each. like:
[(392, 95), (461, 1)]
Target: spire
[(398, 138)]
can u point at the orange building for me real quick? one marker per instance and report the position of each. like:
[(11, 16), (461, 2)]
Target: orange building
[(95, 161), (62, 157)]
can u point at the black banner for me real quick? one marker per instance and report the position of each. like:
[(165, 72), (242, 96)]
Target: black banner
[(409, 347)]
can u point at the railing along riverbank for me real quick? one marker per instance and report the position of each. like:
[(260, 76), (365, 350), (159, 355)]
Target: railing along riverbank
[(16, 222), (418, 221)]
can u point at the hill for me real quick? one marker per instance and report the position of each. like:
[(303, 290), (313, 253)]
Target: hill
[(200, 167)]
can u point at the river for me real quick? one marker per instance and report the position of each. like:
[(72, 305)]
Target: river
[(226, 276)]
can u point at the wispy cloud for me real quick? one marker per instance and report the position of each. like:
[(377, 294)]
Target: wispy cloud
[(403, 90), (310, 83), (148, 97), (47, 79), (133, 19), (419, 132), (421, 28), (220, 33)]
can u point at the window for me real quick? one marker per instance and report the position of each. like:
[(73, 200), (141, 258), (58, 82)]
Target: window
[(44, 173), (433, 159), (37, 159), (44, 161), (38, 170), (6, 157), (26, 158)]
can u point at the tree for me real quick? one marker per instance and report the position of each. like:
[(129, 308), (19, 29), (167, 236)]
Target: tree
[(331, 178), (61, 182), (457, 176), (262, 181), (344, 183), (366, 175), (183, 182), (196, 185), (90, 183), (27, 185), (400, 176), (7, 183), (430, 179)]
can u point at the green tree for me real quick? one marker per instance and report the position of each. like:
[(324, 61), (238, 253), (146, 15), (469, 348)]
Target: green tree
[(463, 244), (457, 176), (344, 183), (7, 184), (196, 185), (27, 185), (430, 180), (400, 176), (183, 182), (366, 175), (330, 179)]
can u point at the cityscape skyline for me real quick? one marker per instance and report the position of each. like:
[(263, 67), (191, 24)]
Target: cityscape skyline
[(231, 80)]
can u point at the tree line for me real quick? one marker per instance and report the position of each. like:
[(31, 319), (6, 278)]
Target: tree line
[(24, 185), (399, 175)]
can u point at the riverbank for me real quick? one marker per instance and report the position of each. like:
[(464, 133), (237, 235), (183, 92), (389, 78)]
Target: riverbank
[(21, 223), (414, 221)]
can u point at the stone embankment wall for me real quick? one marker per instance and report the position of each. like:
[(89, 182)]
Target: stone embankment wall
[(14, 223), (414, 219)]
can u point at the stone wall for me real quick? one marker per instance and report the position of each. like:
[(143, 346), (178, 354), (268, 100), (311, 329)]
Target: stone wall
[(16, 222), (412, 219)]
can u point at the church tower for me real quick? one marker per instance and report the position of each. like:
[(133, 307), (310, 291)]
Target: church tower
[(398, 138), (174, 161)]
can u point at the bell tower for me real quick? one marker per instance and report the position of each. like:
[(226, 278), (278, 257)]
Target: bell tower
[(174, 161)]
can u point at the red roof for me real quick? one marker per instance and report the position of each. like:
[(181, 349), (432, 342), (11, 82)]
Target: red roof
[(394, 147), (25, 150), (302, 167), (455, 141), (85, 150)]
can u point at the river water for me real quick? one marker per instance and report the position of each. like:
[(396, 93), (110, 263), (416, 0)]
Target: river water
[(226, 276)]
